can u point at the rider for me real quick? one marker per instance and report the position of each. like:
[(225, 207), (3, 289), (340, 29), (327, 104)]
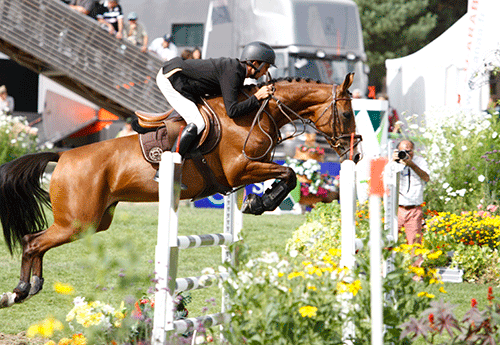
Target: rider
[(184, 82)]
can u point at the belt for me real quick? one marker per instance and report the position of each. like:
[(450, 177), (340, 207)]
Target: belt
[(409, 207)]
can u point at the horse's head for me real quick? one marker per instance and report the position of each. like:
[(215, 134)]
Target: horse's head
[(336, 121)]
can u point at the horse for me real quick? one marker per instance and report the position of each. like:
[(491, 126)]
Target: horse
[(89, 181)]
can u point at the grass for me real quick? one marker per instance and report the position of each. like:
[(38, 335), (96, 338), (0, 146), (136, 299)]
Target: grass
[(94, 265)]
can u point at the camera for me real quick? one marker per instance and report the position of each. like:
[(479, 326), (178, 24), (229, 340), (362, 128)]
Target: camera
[(403, 154)]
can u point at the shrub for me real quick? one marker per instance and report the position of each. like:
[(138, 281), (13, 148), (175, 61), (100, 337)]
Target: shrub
[(16, 138)]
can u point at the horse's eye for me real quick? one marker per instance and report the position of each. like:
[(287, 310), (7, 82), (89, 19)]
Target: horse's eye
[(347, 114)]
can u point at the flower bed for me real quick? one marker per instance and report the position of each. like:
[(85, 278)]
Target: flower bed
[(470, 241)]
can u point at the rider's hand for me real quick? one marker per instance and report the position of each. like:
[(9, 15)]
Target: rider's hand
[(264, 92)]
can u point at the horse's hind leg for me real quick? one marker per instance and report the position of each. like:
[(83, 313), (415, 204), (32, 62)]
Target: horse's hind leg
[(34, 247)]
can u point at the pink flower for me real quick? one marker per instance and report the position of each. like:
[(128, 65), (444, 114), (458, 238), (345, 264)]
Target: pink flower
[(492, 208), (479, 206)]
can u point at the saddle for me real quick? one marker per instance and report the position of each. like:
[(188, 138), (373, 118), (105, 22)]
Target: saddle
[(158, 133)]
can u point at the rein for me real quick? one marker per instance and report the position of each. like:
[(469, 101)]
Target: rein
[(334, 141)]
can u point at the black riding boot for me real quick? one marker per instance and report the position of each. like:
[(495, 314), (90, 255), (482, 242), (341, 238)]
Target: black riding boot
[(188, 136)]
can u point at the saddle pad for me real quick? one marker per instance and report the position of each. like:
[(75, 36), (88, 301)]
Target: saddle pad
[(153, 144)]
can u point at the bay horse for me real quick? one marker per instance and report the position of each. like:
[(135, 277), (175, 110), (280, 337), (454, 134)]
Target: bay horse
[(89, 181)]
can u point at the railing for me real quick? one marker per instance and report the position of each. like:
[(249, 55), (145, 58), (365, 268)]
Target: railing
[(48, 37)]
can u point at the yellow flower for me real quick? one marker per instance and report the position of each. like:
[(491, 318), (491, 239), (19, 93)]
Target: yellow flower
[(50, 342), (280, 274), (441, 289), (354, 287), (32, 331), (311, 287), (45, 328), (435, 255), (64, 341), (425, 294), (79, 339), (335, 252), (295, 275), (308, 311), (64, 289), (342, 287)]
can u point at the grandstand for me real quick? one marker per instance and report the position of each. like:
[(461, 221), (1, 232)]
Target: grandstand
[(51, 39)]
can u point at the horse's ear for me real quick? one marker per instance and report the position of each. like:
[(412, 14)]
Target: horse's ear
[(349, 78)]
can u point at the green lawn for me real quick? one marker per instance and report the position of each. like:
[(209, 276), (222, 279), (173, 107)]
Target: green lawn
[(93, 265)]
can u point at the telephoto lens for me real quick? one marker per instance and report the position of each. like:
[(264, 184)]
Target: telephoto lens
[(403, 154)]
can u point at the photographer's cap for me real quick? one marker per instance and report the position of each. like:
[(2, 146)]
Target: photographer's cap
[(132, 16)]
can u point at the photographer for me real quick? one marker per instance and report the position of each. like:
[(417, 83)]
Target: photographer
[(413, 176)]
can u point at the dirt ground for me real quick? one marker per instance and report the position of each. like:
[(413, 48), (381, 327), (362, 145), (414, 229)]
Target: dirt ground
[(19, 339)]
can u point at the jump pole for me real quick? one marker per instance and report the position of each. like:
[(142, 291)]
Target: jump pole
[(376, 192), (348, 231)]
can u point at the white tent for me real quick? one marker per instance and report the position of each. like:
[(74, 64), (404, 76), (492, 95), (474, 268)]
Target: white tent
[(440, 73)]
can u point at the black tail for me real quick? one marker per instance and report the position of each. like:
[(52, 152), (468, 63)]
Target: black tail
[(22, 197)]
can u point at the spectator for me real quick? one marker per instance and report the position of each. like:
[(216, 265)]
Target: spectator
[(196, 53), (394, 123), (164, 47), (127, 129), (135, 32), (112, 18), (413, 177), (82, 6), (186, 54), (6, 101), (357, 93)]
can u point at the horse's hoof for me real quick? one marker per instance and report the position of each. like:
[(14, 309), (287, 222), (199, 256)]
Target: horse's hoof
[(7, 300), (36, 285), (253, 205)]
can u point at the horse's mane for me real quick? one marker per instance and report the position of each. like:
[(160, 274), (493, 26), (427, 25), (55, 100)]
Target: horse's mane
[(288, 79)]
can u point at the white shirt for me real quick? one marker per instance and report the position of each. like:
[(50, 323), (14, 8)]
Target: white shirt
[(165, 53), (411, 186), (7, 105)]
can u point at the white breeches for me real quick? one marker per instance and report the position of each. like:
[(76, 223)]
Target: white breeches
[(185, 107)]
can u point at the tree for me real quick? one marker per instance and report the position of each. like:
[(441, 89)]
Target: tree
[(396, 28)]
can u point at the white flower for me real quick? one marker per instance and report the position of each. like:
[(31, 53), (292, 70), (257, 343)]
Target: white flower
[(446, 185), (208, 270), (494, 135), (464, 133), (461, 192), (481, 178), (464, 148)]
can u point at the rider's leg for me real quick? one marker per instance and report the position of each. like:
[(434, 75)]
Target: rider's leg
[(188, 136), (186, 108)]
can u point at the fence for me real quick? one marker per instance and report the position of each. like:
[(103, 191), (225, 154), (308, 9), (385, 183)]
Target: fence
[(167, 252)]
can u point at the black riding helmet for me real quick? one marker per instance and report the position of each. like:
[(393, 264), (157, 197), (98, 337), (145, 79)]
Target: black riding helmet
[(258, 51)]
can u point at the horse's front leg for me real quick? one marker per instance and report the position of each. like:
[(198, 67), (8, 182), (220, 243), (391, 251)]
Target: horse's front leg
[(286, 181)]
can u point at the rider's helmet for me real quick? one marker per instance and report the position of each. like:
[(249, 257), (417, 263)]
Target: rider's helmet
[(258, 51)]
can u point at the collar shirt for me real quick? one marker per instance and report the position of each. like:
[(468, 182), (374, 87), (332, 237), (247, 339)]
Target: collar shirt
[(165, 53), (411, 186)]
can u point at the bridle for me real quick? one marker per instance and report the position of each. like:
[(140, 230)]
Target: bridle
[(335, 141)]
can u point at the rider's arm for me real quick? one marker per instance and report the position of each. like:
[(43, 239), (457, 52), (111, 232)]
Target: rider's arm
[(231, 82)]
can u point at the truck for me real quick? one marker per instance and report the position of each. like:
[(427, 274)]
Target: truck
[(317, 39)]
